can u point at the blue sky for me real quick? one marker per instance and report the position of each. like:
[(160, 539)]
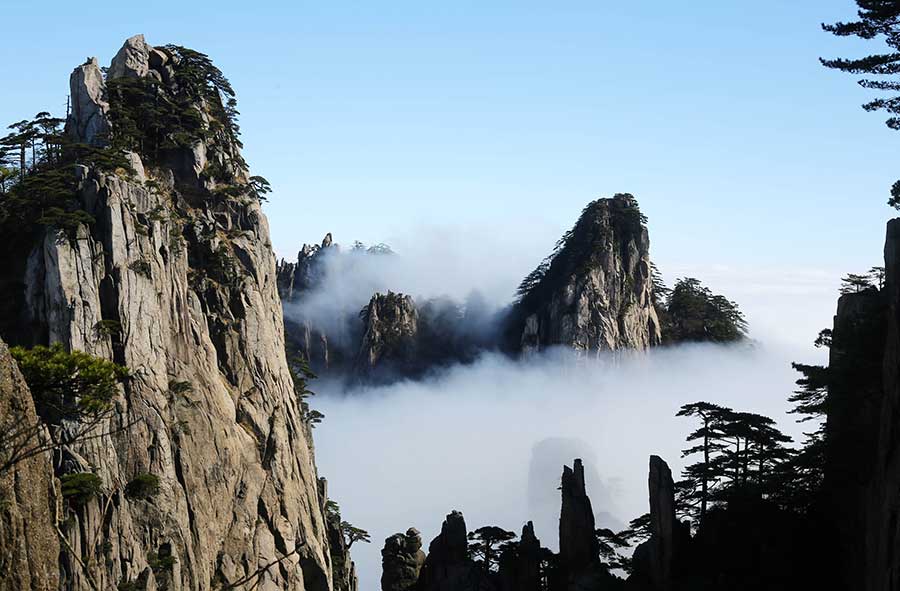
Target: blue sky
[(379, 120)]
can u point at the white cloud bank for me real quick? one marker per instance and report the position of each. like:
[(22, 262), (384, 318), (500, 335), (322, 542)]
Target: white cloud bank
[(490, 439)]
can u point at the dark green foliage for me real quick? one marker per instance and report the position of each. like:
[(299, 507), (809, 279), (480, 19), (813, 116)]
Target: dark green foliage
[(160, 561), (484, 544), (68, 385), (105, 329), (692, 313), (141, 267), (259, 187), (37, 177), (300, 376), (150, 117), (878, 19), (177, 388), (332, 509), (81, 487), (354, 534), (142, 486)]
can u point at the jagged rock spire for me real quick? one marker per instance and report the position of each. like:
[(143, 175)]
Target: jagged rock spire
[(577, 541)]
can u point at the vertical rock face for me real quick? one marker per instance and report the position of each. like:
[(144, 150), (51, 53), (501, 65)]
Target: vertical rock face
[(188, 282), (29, 546), (862, 470), (390, 338), (594, 292), (654, 559), (447, 567), (520, 567), (577, 542), (89, 108), (401, 560), (295, 280)]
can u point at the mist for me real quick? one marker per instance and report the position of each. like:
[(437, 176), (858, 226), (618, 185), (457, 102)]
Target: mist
[(490, 438)]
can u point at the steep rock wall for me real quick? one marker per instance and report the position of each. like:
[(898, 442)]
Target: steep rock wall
[(178, 283), (29, 546)]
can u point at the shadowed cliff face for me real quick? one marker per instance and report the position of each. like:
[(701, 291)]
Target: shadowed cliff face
[(185, 273), (862, 472)]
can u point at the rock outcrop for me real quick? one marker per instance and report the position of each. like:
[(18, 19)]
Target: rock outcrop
[(594, 293), (577, 542), (862, 469), (520, 564), (29, 546), (654, 559), (390, 337), (401, 561), (177, 282), (89, 107)]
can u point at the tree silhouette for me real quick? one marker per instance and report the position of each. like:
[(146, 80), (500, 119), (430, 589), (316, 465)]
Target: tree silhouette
[(484, 543), (711, 438), (878, 19), (855, 283)]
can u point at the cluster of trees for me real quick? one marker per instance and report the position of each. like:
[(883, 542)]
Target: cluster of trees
[(859, 282), (37, 156), (690, 312), (37, 180), (150, 115)]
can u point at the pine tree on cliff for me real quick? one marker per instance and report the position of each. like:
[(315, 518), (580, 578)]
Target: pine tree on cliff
[(484, 544), (878, 19)]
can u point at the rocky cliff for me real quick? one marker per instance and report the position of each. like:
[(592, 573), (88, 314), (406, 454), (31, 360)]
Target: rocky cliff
[(862, 469), (654, 560), (304, 336), (29, 498), (390, 337), (594, 293), (175, 279)]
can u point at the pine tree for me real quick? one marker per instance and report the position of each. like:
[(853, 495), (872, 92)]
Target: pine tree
[(878, 19)]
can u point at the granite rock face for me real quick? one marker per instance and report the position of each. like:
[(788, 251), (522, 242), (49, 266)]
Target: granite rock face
[(29, 546), (303, 333), (189, 283), (132, 60), (594, 293), (389, 339), (89, 107)]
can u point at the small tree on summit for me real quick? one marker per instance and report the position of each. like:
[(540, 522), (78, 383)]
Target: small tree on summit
[(485, 542), (854, 283)]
